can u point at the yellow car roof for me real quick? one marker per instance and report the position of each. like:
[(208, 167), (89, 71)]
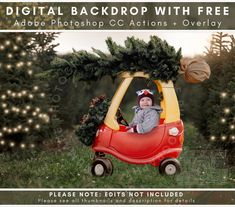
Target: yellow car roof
[(169, 104)]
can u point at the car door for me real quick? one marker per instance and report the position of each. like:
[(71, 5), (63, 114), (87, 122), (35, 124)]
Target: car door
[(136, 145)]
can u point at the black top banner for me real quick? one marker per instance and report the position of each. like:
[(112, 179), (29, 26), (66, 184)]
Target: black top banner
[(117, 16)]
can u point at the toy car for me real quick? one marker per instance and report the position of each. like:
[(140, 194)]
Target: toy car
[(159, 147)]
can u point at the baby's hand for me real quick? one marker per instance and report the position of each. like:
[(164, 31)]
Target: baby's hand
[(130, 130)]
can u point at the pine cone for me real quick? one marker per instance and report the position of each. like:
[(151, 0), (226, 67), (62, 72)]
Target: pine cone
[(97, 100)]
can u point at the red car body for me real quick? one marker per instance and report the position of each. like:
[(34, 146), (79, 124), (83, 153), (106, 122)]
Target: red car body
[(150, 148)]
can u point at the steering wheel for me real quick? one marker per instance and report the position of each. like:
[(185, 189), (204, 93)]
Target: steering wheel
[(121, 119)]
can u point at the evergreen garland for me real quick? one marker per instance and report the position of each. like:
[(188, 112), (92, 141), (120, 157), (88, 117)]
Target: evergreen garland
[(156, 58), (91, 121)]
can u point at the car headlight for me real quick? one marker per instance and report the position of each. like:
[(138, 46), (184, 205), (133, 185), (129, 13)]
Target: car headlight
[(173, 131)]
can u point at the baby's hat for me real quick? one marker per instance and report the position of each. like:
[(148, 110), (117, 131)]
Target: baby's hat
[(144, 93)]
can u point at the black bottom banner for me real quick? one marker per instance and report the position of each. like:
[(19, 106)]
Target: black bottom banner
[(116, 196)]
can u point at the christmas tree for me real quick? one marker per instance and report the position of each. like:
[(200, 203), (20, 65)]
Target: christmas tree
[(43, 47), (225, 116), (91, 121), (214, 107), (220, 89), (24, 110)]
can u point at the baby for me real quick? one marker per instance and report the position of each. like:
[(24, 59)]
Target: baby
[(147, 114)]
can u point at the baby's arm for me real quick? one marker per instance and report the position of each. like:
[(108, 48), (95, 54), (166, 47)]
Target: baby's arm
[(131, 126), (133, 122)]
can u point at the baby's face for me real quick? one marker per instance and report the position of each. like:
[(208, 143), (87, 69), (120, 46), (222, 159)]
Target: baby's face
[(145, 102)]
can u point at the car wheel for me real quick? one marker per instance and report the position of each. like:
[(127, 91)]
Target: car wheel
[(170, 167), (102, 167), (109, 166)]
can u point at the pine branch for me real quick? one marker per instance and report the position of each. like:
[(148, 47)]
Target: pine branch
[(156, 58)]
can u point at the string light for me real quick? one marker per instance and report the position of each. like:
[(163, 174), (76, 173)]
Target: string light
[(19, 64), (37, 126), (9, 55), (24, 92), (30, 121), (34, 113), (2, 47), (223, 94), (3, 97), (15, 47), (7, 42), (19, 126), (38, 109), (23, 53), (8, 66), (30, 72), (19, 38), (223, 120), (212, 138), (26, 129), (32, 145), (4, 129), (223, 138), (4, 105), (15, 130), (46, 118), (31, 96), (29, 63), (6, 111), (42, 95), (22, 146), (28, 107), (8, 91), (232, 127), (19, 95), (24, 112), (1, 134), (226, 110), (9, 131), (13, 94), (2, 142), (12, 144), (35, 88), (232, 137)]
